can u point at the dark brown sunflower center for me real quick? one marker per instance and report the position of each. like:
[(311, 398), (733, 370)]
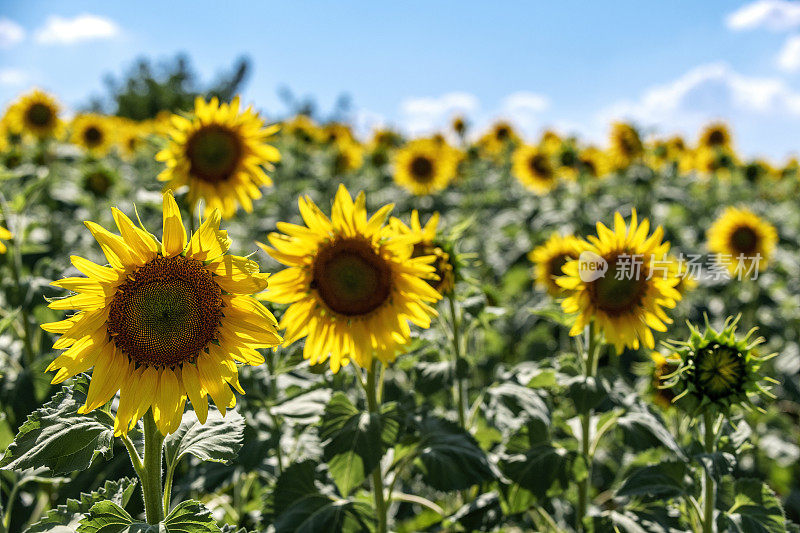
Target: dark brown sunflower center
[(744, 240), (166, 312), (39, 115), (214, 153), (719, 371), (502, 133), (618, 296), (351, 278), (422, 168), (93, 136), (716, 138), (540, 166), (555, 265)]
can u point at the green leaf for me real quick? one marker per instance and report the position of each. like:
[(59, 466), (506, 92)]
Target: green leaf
[(538, 469), (586, 393), (482, 514), (59, 439), (510, 406), (755, 509), (448, 456), (303, 508), (218, 440), (664, 480), (108, 517), (717, 464), (355, 441), (70, 513), (647, 431), (187, 517)]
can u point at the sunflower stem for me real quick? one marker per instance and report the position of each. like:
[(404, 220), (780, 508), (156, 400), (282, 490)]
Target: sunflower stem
[(708, 500), (373, 404), (458, 382), (151, 480), (589, 371)]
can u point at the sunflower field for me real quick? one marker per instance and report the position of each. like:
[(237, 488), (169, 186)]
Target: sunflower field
[(214, 320)]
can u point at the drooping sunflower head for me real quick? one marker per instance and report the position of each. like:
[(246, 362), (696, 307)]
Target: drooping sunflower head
[(163, 322), (4, 235), (625, 145), (425, 166), (94, 133), (220, 152), (427, 243), (718, 370), (740, 234), (535, 168), (352, 283), (715, 135), (611, 284), (549, 259), (35, 114)]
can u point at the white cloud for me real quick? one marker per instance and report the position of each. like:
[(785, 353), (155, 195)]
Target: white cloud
[(775, 15), (11, 33), (789, 56), (13, 76), (525, 109), (763, 111), (421, 116), (60, 30)]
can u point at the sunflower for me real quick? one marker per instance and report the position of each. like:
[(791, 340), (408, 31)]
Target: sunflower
[(303, 129), (95, 133), (164, 321), (220, 152), (534, 168), (715, 135), (424, 166), (663, 366), (594, 162), (717, 370), (549, 258), (718, 162), (348, 156), (35, 114), (130, 137), (743, 237), (425, 244), (623, 303), (758, 169), (459, 125), (626, 145), (336, 132), (351, 282), (4, 235), (500, 137), (550, 141)]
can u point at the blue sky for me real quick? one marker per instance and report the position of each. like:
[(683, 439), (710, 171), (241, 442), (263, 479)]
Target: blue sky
[(573, 65)]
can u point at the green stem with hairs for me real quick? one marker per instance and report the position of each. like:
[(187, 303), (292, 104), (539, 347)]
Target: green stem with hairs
[(16, 268), (708, 482), (151, 470), (373, 404), (589, 371), (459, 384)]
